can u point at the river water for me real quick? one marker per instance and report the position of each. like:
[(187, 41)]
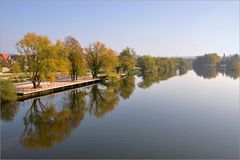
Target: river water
[(188, 116)]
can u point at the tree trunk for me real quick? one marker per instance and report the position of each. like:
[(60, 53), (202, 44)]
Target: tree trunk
[(34, 84), (118, 69), (94, 75), (38, 83)]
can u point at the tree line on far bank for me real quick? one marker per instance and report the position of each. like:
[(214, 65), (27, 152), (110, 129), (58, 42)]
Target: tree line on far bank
[(209, 65), (150, 64), (231, 62)]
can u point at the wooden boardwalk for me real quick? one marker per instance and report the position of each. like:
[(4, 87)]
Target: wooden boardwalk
[(50, 87)]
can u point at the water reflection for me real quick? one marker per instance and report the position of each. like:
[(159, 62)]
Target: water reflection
[(102, 100), (76, 103), (230, 73), (151, 78), (9, 110), (208, 72), (44, 125), (127, 86)]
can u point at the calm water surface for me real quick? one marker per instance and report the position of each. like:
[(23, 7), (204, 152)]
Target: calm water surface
[(143, 117)]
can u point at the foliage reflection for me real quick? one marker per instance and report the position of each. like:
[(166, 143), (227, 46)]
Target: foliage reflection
[(46, 124)]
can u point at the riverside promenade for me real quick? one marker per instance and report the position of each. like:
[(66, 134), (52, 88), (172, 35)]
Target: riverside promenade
[(26, 90)]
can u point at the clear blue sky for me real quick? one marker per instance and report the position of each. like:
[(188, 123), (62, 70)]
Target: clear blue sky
[(163, 28)]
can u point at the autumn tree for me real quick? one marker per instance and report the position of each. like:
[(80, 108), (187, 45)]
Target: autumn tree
[(61, 55), (38, 62), (127, 59), (100, 58), (75, 57), (111, 65)]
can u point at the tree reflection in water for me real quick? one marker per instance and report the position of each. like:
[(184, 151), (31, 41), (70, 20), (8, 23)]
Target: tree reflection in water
[(102, 100), (230, 73), (48, 124), (44, 125), (127, 86), (208, 72), (76, 104), (9, 110), (151, 78)]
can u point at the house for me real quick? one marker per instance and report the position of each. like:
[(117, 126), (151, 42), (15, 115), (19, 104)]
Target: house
[(5, 57)]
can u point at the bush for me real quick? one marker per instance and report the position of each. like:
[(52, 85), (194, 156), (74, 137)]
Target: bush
[(7, 91)]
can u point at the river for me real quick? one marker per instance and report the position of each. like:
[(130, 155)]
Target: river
[(166, 116)]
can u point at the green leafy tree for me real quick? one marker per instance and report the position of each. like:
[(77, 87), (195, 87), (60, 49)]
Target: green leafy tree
[(147, 64), (127, 59), (211, 59), (7, 91), (100, 59), (38, 62), (61, 56), (75, 57)]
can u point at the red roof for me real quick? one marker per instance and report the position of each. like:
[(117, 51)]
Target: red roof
[(4, 56)]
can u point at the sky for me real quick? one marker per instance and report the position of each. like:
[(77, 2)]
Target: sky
[(155, 27)]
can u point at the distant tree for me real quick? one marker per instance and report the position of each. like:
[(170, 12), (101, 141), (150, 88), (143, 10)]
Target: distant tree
[(231, 66), (7, 91), (127, 59), (75, 57), (183, 66), (38, 63), (232, 62), (211, 59), (147, 64)]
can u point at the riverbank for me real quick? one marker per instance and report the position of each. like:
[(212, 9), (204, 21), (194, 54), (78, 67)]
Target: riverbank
[(26, 91)]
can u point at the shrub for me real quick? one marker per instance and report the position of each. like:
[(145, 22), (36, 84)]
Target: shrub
[(7, 91)]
